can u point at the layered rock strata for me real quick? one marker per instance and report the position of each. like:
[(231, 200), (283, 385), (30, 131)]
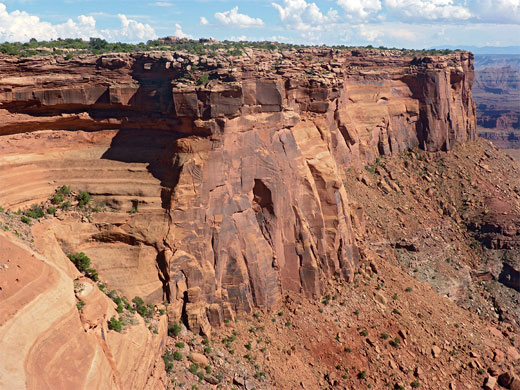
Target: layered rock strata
[(238, 181)]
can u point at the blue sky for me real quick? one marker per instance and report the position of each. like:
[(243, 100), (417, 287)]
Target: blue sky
[(400, 23)]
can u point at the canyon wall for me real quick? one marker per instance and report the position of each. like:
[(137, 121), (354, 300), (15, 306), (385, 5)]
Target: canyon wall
[(232, 167), (497, 97)]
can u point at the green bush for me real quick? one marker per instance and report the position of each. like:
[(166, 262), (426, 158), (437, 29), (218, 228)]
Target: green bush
[(194, 368), (83, 198), (168, 358), (64, 190), (146, 311), (25, 219), (80, 305), (65, 206), (82, 262), (180, 344), (174, 330), (395, 342), (115, 324), (51, 210), (57, 199), (177, 356), (203, 79), (35, 212)]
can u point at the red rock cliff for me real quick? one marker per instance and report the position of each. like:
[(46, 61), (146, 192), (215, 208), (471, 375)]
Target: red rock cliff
[(238, 180)]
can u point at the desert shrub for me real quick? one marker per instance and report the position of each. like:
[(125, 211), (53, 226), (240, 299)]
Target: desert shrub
[(51, 210), (57, 199), (395, 342), (168, 358), (80, 305), (174, 329), (177, 356), (146, 311), (83, 198), (25, 219), (64, 190), (194, 368), (115, 324), (203, 79), (82, 262), (180, 344), (35, 212), (65, 205)]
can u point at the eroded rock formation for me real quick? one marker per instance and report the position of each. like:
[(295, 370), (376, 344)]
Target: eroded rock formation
[(237, 181)]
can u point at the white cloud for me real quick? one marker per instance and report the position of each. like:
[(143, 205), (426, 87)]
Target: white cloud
[(360, 8), (161, 4), (303, 16), (21, 26), (203, 21), (238, 39), (369, 34), (497, 11), (130, 30), (427, 9), (236, 19), (179, 33)]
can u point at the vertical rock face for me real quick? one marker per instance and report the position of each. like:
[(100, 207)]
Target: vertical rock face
[(244, 196)]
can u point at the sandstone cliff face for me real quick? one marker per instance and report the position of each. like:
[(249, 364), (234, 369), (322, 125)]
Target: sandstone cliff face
[(238, 181)]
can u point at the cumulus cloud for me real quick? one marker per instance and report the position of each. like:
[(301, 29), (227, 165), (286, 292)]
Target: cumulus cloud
[(130, 31), (303, 16), (235, 19), (203, 21), (428, 9), (497, 11), (21, 26), (360, 8), (179, 33)]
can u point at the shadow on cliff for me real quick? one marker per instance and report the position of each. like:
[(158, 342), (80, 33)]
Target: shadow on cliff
[(156, 148)]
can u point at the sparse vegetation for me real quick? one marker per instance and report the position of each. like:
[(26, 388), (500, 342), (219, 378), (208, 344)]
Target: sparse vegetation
[(396, 342), (168, 359), (58, 199), (146, 311), (203, 80), (83, 198), (35, 212), (174, 329), (115, 324), (82, 262)]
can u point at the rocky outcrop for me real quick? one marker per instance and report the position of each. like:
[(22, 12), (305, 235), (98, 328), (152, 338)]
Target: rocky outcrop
[(235, 164), (51, 344)]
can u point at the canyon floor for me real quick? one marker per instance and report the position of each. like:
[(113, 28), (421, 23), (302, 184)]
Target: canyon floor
[(429, 308)]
